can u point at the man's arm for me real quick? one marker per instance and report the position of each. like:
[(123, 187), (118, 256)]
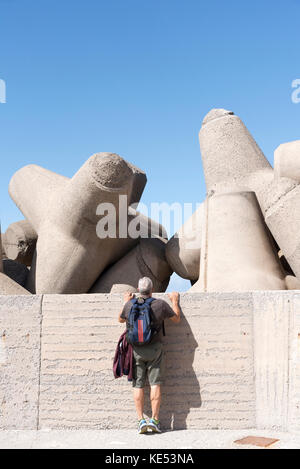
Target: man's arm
[(127, 297), (174, 297)]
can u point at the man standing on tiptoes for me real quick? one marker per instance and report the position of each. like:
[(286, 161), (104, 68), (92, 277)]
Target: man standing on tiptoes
[(148, 357)]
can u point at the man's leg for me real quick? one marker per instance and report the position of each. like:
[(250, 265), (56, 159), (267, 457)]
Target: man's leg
[(155, 397), (139, 396), (139, 377), (156, 372)]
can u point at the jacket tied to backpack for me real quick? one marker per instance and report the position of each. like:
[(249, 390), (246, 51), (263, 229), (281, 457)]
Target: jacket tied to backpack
[(123, 359)]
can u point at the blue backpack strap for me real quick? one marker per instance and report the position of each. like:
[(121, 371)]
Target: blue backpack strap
[(134, 309), (149, 300)]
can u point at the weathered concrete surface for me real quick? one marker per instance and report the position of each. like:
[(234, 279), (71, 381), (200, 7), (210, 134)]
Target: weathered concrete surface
[(229, 152), (70, 255), (19, 241), (79, 339), (7, 285), (147, 259), (271, 320), (232, 363), (237, 252), (183, 249), (292, 283), (232, 158), (294, 365), (287, 160), (20, 321)]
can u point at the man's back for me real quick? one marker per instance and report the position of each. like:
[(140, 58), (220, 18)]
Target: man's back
[(160, 311)]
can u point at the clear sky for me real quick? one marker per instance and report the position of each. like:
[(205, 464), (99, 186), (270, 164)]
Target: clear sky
[(136, 77)]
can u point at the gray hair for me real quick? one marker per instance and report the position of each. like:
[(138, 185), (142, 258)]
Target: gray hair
[(145, 286)]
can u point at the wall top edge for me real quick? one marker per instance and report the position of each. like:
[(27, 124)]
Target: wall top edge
[(184, 295)]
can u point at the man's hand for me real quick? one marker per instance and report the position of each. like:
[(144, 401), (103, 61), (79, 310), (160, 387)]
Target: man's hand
[(174, 297), (128, 296)]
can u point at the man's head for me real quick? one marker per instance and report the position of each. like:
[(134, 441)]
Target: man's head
[(145, 286)]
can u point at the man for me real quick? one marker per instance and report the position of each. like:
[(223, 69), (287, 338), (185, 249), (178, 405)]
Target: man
[(149, 358)]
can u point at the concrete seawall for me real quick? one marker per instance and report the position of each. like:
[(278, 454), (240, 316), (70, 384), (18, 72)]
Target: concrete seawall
[(232, 363)]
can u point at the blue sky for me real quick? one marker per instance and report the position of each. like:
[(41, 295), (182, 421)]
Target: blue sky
[(136, 77)]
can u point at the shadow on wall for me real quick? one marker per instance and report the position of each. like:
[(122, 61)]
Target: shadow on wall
[(181, 389)]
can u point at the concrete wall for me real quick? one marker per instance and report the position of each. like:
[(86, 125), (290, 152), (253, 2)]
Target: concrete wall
[(20, 358), (233, 362)]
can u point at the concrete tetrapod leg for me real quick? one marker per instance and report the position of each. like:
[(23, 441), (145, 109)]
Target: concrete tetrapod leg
[(19, 241), (44, 177), (183, 249), (70, 255), (237, 252), (147, 259), (123, 288), (232, 159), (287, 160), (140, 226), (32, 188), (20, 238), (7, 285), (292, 283), (229, 152)]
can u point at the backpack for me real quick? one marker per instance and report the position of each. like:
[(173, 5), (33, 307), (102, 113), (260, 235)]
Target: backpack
[(140, 328)]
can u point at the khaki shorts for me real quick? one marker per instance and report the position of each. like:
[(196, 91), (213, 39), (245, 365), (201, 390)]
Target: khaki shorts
[(148, 359)]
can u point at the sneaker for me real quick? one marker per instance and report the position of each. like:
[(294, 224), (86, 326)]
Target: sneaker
[(142, 426), (154, 425)]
